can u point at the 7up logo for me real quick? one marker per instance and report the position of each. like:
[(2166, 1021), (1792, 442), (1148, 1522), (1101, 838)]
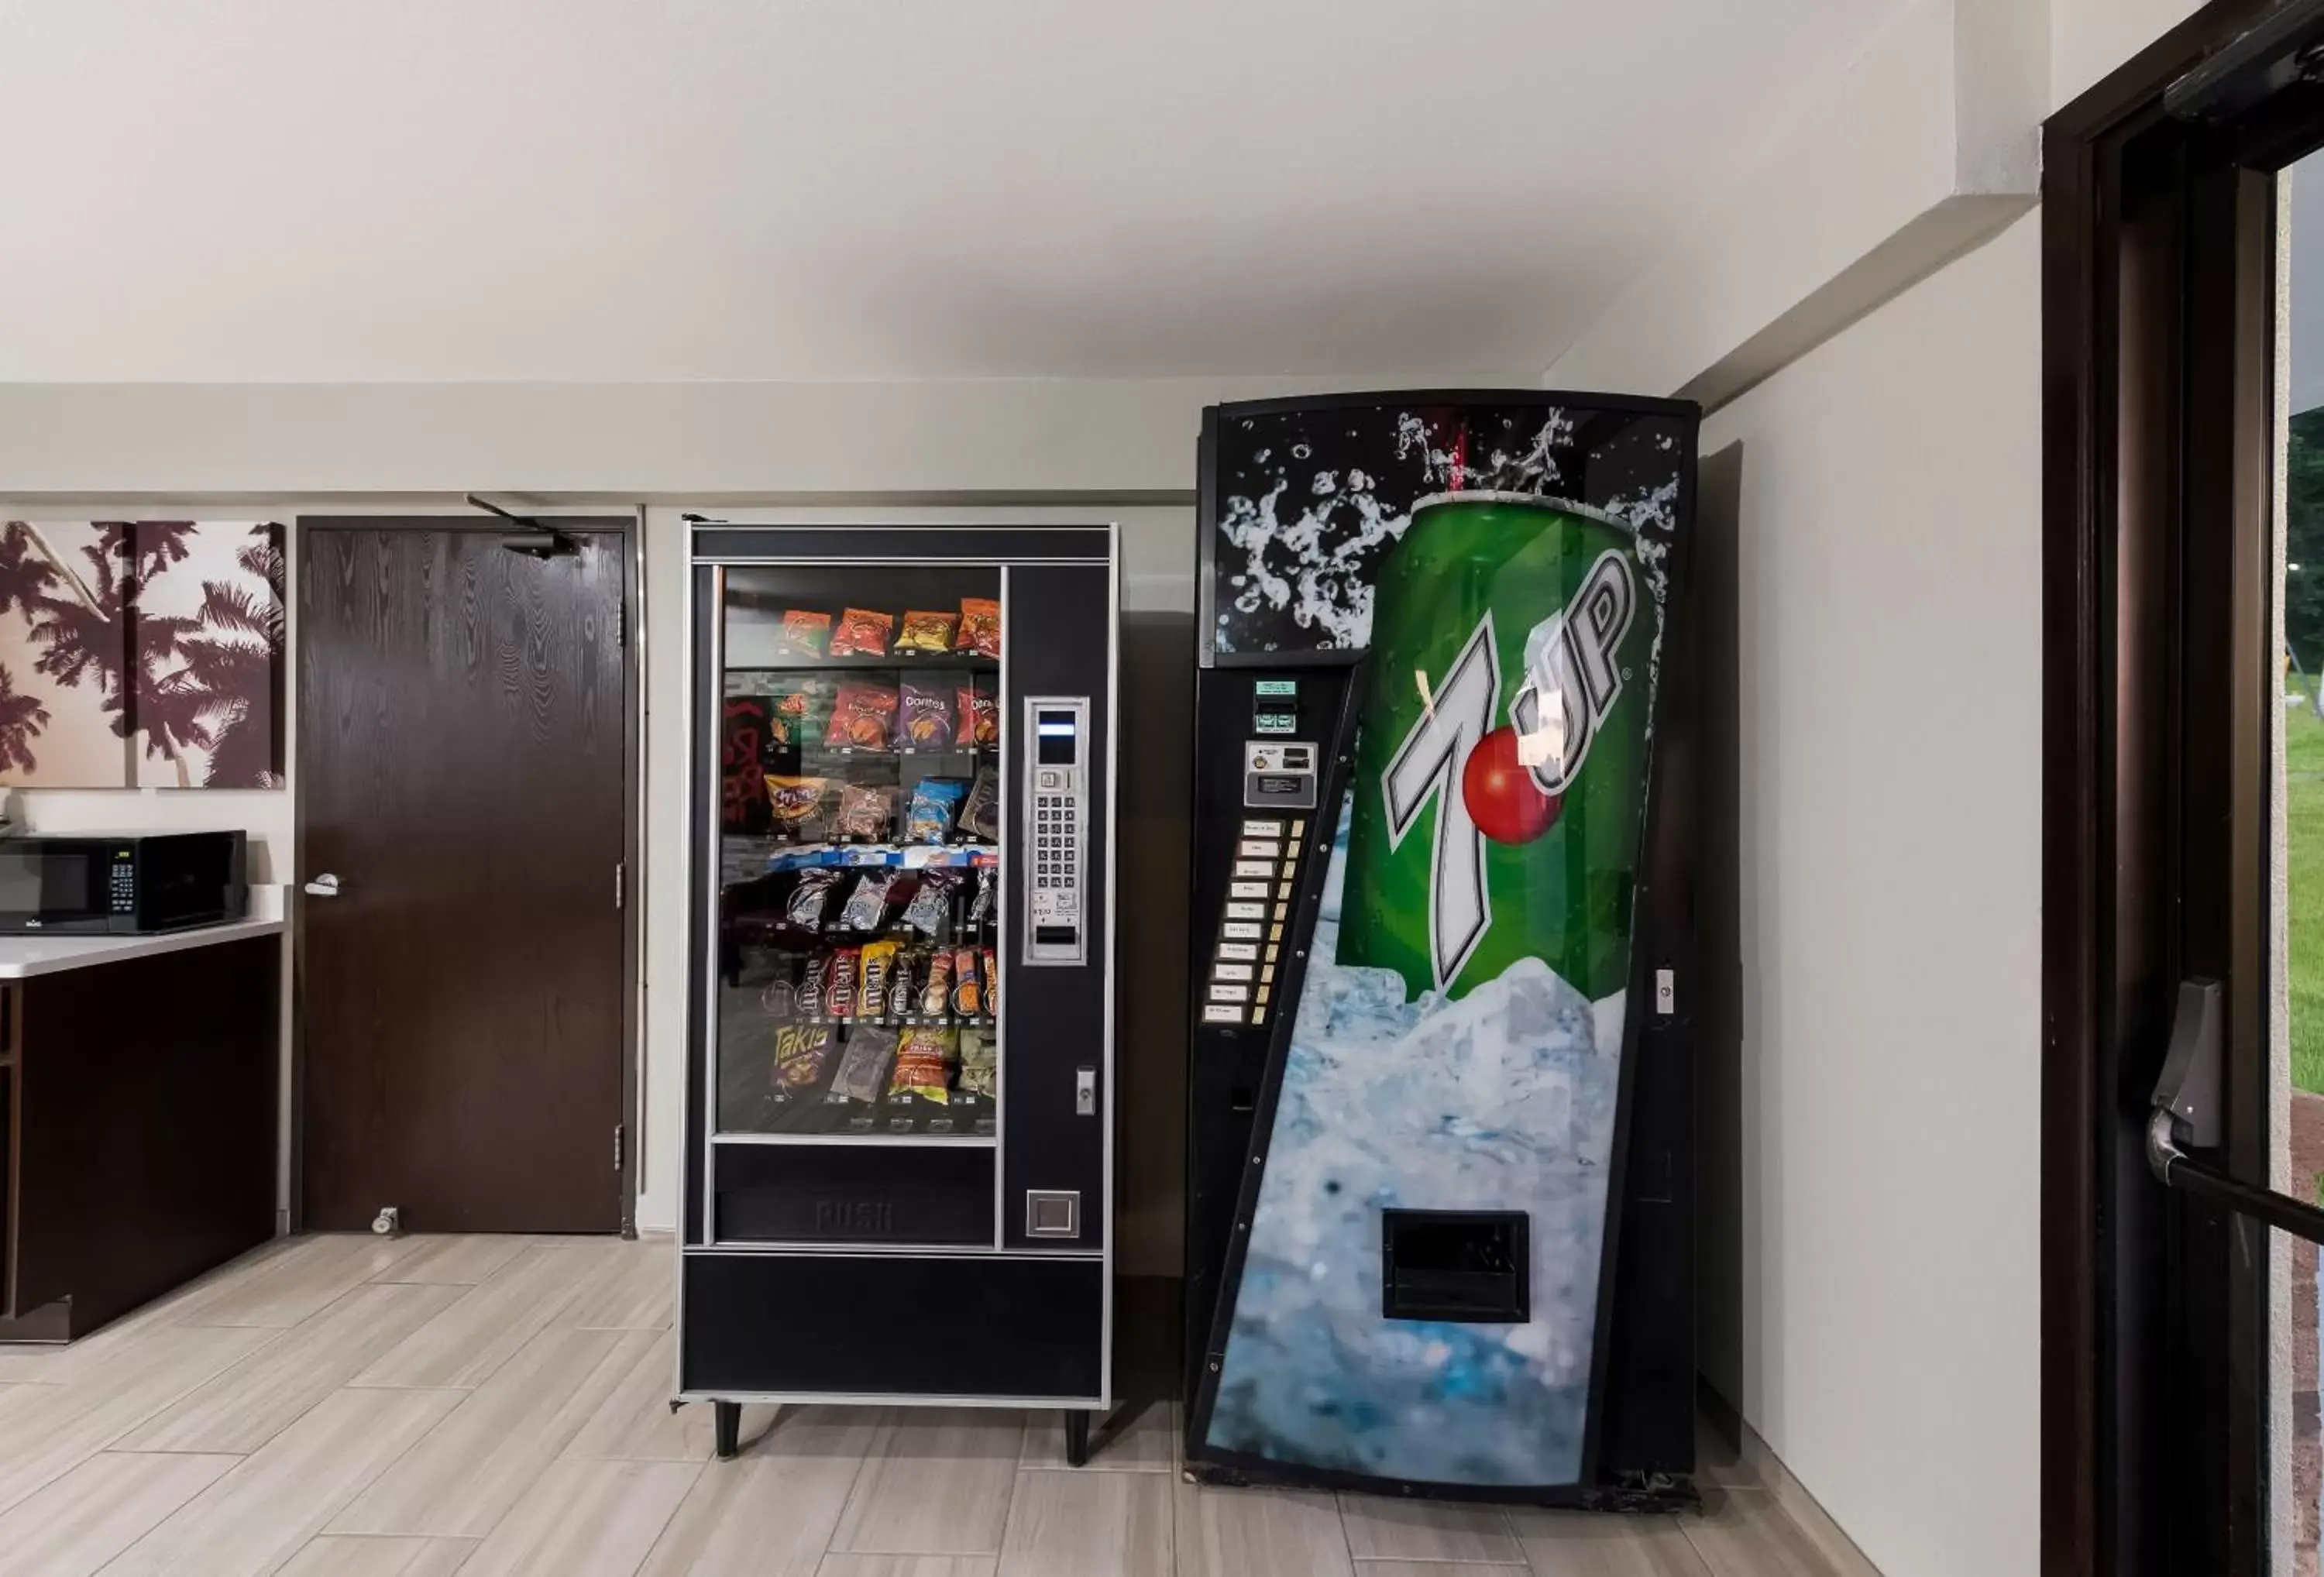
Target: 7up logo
[(1512, 779)]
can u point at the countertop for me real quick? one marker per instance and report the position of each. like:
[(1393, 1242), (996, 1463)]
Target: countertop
[(21, 957)]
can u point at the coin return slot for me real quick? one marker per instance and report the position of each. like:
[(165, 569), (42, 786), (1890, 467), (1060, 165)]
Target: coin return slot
[(1469, 1266), (1052, 1215)]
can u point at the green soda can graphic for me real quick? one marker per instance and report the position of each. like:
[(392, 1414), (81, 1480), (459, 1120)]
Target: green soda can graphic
[(1501, 771)]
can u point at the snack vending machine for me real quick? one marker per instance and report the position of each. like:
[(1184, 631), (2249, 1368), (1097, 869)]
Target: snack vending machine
[(900, 1104), (1439, 1233)]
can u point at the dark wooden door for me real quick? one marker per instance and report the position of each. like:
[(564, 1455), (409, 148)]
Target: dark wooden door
[(461, 758)]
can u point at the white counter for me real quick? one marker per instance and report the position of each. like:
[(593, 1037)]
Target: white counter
[(25, 956)]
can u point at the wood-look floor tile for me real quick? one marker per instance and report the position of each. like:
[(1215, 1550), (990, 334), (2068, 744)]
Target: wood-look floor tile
[(45, 1430), (306, 1278), (908, 1566), (1581, 1544), (1258, 1533), (634, 1288), (456, 1258), (772, 1512), (485, 1326), (338, 1555), (1743, 1532), (78, 1522), (60, 1363), (1428, 1569), (937, 1483), (635, 1421), (258, 1516), (461, 1480), (250, 1403), (1071, 1525), (1148, 1442), (586, 1519), (1384, 1530)]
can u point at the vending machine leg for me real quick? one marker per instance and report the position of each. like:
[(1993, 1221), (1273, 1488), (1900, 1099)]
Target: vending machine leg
[(726, 1418), (1077, 1432)]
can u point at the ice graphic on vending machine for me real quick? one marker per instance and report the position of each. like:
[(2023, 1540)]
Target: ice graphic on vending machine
[(1503, 1099)]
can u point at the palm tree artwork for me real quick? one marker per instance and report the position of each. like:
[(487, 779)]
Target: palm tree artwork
[(147, 652)]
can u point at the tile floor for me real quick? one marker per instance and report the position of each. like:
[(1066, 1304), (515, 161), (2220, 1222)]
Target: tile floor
[(346, 1407)]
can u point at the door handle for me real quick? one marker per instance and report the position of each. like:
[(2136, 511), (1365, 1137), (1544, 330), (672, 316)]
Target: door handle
[(324, 886), (2186, 1112)]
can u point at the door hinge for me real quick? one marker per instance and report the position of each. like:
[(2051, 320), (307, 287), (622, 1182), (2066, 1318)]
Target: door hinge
[(621, 881), (621, 1131)]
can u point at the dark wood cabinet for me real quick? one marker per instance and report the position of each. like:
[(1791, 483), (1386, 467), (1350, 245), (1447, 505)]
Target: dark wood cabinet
[(139, 1104)]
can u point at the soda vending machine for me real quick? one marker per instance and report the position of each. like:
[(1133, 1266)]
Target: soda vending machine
[(899, 1108), (1439, 1228)]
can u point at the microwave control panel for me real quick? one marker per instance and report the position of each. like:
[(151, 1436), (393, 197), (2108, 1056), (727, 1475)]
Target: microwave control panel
[(122, 878), (1056, 827)]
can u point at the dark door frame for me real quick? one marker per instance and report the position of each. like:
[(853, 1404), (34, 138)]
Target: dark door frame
[(2157, 535), (629, 528)]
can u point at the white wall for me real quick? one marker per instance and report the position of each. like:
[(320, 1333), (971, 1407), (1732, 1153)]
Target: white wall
[(2088, 39)]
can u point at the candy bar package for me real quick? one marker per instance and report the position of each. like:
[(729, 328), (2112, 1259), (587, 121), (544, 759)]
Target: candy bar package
[(867, 906), (804, 634), (924, 723), (865, 811), (861, 633), (864, 1066), (840, 998), (861, 717), (929, 906), (979, 813), (980, 1066), (992, 984), (922, 1059), (904, 983), (926, 632), (795, 807), (979, 718), (966, 999), (936, 801), (802, 1054), (814, 989), (980, 627), (811, 896), (936, 994), (979, 908), (878, 974)]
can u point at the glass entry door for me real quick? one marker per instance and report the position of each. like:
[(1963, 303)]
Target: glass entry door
[(860, 885)]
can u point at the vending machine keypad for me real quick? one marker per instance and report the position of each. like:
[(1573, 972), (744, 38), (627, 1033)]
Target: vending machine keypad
[(1056, 790)]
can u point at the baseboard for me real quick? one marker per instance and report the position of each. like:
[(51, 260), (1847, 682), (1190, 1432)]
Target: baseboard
[(1756, 1464)]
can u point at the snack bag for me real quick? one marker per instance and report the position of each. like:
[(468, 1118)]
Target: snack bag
[(879, 971), (786, 721), (868, 904), (980, 1066), (840, 998), (815, 984), (979, 626), (802, 1052), (979, 813), (793, 806), (861, 633), (865, 812), (936, 994), (809, 897), (979, 908), (805, 633), (979, 718), (935, 802), (926, 913), (921, 1071), (926, 632), (991, 984), (925, 721), (863, 1065), (966, 999), (860, 719)]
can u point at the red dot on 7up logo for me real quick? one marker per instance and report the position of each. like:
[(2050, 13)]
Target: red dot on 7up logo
[(1505, 785)]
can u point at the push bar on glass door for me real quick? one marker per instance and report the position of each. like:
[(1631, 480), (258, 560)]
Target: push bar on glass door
[(2186, 1112)]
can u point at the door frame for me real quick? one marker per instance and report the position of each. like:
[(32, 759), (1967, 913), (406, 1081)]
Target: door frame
[(630, 530), (2151, 406)]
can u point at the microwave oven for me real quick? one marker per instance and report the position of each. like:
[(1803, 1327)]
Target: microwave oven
[(121, 883)]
